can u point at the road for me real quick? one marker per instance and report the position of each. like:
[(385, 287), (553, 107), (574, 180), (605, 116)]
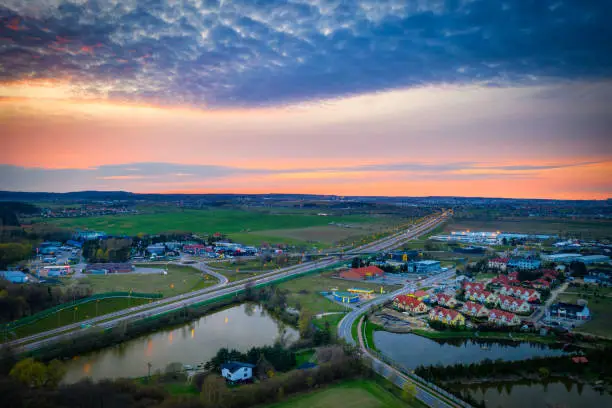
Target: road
[(220, 289), (424, 394)]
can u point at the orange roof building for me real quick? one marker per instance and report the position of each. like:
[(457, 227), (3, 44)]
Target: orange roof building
[(362, 273)]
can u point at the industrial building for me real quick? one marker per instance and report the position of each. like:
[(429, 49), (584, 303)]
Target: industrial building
[(421, 267), (14, 276)]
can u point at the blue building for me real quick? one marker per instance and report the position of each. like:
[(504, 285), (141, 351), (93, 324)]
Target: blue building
[(88, 235), (14, 276), (524, 263), (156, 249), (429, 266), (345, 297)]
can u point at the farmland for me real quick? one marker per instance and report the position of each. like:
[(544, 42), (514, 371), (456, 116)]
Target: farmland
[(180, 279), (587, 229), (245, 226)]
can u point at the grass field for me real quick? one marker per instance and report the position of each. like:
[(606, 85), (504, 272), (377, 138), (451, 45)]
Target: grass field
[(333, 321), (82, 312), (305, 291), (601, 312), (252, 265), (559, 226), (180, 279), (354, 393), (249, 227)]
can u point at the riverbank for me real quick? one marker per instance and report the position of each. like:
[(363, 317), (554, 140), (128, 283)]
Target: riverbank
[(592, 368)]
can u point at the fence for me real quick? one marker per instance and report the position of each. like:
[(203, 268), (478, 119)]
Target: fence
[(48, 312), (419, 380)]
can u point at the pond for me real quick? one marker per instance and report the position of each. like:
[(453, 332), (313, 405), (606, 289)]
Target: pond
[(239, 327), (538, 395), (411, 350)]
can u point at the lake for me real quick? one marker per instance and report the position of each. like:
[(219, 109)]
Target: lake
[(411, 350), (553, 394), (239, 327)]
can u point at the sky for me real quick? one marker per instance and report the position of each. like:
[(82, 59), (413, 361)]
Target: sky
[(360, 97)]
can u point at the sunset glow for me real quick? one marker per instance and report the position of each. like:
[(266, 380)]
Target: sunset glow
[(138, 110)]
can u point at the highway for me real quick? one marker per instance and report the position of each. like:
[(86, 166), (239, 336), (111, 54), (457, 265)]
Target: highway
[(220, 289)]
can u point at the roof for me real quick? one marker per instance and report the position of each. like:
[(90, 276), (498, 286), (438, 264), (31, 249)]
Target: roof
[(8, 275), (444, 296), (477, 292), (580, 360), (365, 271), (408, 300), (470, 305), (504, 298), (420, 293), (502, 260), (235, 365), (568, 306), (501, 313), (446, 312)]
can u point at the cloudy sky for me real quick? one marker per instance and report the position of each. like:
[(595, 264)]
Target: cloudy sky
[(368, 97)]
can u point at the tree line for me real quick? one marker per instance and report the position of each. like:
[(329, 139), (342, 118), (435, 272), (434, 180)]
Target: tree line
[(17, 301), (599, 366)]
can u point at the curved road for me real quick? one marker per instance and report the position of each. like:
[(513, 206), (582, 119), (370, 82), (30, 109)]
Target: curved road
[(220, 289)]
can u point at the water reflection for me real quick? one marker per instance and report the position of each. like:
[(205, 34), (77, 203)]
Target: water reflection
[(526, 394), (193, 343), (411, 350)]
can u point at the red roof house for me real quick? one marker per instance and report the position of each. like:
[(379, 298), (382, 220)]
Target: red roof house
[(362, 273)]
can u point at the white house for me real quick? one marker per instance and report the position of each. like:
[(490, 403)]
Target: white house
[(235, 371)]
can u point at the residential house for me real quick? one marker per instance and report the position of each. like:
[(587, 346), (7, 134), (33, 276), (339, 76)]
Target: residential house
[(473, 286), (501, 280), (474, 309), (540, 283), (513, 304), (503, 318), (362, 273), (527, 294), (499, 264), (447, 316), (444, 299), (235, 371), (482, 296), (569, 311), (410, 304), (419, 294)]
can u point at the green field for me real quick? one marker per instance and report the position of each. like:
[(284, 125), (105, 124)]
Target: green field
[(180, 279), (601, 312), (249, 227), (354, 393), (306, 291), (82, 312), (559, 226)]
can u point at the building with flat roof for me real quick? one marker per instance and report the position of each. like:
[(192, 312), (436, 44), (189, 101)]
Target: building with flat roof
[(429, 266), (563, 258), (362, 273), (14, 276), (345, 297), (595, 259)]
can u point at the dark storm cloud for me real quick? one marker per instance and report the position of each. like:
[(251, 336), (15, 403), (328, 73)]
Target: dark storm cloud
[(243, 52)]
